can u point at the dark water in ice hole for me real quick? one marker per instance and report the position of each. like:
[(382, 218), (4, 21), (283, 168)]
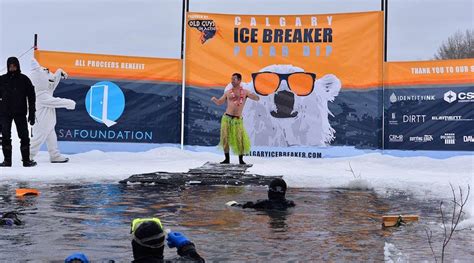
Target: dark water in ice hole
[(339, 225)]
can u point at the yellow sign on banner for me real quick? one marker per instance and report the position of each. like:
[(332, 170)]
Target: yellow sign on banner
[(349, 46)]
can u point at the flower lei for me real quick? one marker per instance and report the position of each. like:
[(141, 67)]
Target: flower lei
[(240, 100)]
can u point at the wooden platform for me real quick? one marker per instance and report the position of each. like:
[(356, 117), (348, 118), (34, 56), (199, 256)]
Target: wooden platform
[(208, 174), (397, 220)]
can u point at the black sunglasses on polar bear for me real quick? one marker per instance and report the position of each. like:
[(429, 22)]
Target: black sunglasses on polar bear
[(300, 83)]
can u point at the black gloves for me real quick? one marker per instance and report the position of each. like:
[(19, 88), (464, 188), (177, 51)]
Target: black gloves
[(31, 119)]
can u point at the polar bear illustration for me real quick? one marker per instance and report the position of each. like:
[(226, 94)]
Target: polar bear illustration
[(284, 119), (43, 131)]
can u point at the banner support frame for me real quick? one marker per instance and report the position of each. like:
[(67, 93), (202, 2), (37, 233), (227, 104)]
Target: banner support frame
[(384, 4), (35, 43), (183, 62)]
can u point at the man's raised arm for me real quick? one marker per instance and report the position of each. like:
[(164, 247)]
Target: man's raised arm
[(219, 101), (252, 96)]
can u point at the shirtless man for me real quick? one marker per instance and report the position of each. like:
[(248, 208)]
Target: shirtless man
[(233, 133)]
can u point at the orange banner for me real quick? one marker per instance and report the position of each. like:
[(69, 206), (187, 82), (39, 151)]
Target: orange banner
[(112, 67), (435, 72), (348, 46)]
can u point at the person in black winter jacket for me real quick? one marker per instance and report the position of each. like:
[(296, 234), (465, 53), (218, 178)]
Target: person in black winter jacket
[(17, 99), (149, 242), (276, 198)]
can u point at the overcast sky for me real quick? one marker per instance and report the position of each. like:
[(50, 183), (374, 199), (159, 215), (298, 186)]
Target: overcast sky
[(152, 28)]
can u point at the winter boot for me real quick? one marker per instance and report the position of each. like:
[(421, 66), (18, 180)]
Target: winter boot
[(227, 158), (241, 159), (7, 154), (6, 164), (60, 159), (25, 156), (29, 163)]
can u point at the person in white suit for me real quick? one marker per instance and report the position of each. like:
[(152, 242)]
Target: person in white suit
[(43, 131)]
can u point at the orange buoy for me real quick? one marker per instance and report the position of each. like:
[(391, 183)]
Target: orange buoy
[(20, 192)]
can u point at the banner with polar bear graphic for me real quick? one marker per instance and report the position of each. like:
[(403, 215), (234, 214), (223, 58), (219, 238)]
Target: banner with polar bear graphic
[(319, 78), (429, 105), (119, 99)]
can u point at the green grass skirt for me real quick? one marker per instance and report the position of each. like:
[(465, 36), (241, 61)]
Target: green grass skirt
[(233, 134)]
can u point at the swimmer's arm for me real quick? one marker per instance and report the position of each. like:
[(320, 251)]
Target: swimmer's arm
[(219, 101), (252, 96), (249, 205), (257, 204)]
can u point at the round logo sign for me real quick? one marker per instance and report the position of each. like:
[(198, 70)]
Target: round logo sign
[(105, 102)]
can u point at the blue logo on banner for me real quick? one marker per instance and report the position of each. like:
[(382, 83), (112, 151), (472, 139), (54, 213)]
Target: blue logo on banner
[(105, 102)]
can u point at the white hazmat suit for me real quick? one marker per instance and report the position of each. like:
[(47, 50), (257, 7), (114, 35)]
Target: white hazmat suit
[(43, 131)]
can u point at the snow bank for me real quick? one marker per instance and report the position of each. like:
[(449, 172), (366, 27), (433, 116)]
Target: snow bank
[(392, 254), (421, 176)]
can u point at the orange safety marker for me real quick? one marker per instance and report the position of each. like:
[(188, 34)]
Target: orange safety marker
[(20, 192), (397, 220)]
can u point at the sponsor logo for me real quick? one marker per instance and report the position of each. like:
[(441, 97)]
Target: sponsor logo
[(424, 138), (452, 96), (207, 28), (466, 96), (106, 135), (469, 138), (393, 120), (394, 98), (395, 138), (414, 118), (105, 103), (449, 138), (449, 118), (427, 138)]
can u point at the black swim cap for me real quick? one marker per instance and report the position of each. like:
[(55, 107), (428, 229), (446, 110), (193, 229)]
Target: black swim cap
[(277, 189)]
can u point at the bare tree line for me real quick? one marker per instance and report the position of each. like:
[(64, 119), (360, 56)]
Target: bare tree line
[(458, 46)]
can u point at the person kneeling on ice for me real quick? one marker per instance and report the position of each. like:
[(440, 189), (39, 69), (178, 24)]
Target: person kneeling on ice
[(276, 198), (43, 131), (149, 242)]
